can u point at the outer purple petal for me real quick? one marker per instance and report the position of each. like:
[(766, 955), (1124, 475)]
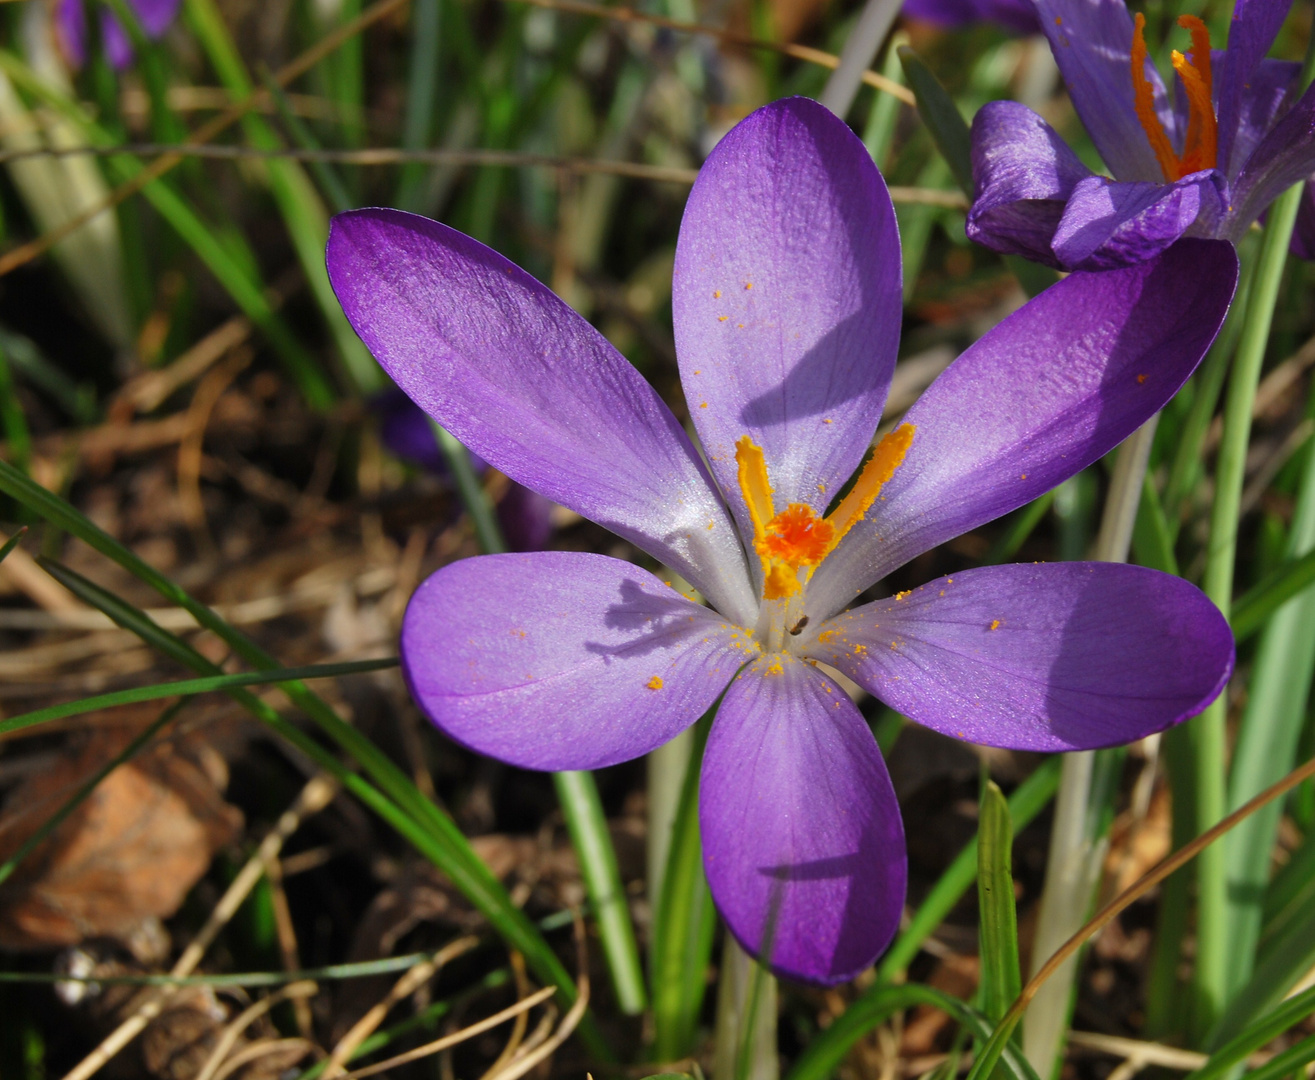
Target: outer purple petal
[(786, 300), (1062, 381), (1092, 43), (1255, 25), (802, 839), (1284, 157), (1059, 656), (1108, 224), (532, 388), (1023, 173), (562, 660), (1017, 16)]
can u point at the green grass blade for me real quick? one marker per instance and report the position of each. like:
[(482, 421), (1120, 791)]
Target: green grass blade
[(404, 806), (1266, 746), (1152, 536), (1259, 603), (1288, 957), (473, 496), (13, 419), (330, 182), (825, 1053), (214, 251), (583, 811), (1021, 525), (87, 787), (184, 687), (1290, 894), (11, 543), (1289, 1063), (998, 923), (1025, 803), (421, 97), (941, 115), (880, 128), (1255, 1035), (683, 922), (299, 203)]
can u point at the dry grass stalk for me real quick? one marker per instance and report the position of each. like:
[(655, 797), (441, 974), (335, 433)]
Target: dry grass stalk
[(411, 980), (316, 795), (297, 991)]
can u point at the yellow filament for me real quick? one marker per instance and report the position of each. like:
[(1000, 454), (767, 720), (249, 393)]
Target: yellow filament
[(887, 457)]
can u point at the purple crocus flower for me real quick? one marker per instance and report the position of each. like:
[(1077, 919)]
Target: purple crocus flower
[(1016, 16), (1236, 137), (787, 316), (71, 28)]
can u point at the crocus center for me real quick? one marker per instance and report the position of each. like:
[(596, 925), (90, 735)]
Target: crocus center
[(792, 542), (1200, 142)]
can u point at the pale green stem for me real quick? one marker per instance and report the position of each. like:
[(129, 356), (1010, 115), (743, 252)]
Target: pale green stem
[(666, 777), (583, 811), (857, 56), (1206, 735), (745, 1047), (1076, 855)]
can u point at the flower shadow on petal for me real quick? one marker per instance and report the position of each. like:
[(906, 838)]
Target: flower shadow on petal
[(654, 621)]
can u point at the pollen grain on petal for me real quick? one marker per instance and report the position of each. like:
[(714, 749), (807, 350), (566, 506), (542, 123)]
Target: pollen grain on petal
[(655, 683), (995, 624)]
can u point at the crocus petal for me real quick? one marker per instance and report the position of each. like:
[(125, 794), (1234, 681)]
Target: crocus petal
[(115, 41), (1269, 92), (1023, 173), (1017, 16), (802, 839), (1064, 656), (1108, 224), (71, 30), (532, 388), (156, 15), (1059, 383), (1284, 157), (786, 301), (1092, 43), (562, 660), (1254, 26)]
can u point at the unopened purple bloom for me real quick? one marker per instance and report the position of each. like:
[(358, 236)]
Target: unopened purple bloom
[(156, 16), (787, 311), (1237, 135), (1016, 16), (524, 515)]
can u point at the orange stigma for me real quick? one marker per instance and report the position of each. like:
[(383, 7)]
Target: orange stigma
[(792, 542), (1200, 144)]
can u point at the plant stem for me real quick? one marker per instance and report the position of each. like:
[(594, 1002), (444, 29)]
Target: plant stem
[(588, 827), (1206, 734), (1076, 851), (746, 1019)]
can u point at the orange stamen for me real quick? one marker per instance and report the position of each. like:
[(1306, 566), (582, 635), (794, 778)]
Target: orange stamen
[(1143, 100), (1200, 145), (797, 539)]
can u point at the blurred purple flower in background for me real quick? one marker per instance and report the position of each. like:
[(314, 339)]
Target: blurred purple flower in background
[(787, 316), (1016, 16), (71, 28), (1235, 138), (525, 516)]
